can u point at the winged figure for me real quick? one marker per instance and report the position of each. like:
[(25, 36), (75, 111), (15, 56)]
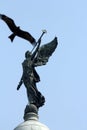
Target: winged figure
[(30, 77), (16, 30)]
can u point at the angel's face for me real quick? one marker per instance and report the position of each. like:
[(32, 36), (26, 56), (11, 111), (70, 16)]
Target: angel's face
[(28, 54)]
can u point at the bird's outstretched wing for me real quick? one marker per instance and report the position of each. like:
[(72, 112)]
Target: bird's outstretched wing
[(44, 52), (16, 30), (26, 35), (9, 22)]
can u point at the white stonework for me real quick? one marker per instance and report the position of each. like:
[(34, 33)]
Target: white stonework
[(31, 124)]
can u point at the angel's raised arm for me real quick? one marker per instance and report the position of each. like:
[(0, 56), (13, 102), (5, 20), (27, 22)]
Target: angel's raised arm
[(38, 42)]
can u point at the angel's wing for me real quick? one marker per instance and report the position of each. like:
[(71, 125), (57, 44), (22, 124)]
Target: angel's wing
[(44, 52)]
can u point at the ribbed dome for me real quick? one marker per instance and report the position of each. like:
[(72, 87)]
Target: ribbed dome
[(31, 123), (31, 120)]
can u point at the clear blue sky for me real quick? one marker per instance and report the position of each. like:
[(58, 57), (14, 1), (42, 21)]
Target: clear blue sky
[(63, 79)]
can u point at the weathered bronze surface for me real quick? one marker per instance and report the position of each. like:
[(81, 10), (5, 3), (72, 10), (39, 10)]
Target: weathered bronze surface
[(30, 77)]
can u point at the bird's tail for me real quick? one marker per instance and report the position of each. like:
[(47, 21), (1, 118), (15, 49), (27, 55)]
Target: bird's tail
[(12, 36)]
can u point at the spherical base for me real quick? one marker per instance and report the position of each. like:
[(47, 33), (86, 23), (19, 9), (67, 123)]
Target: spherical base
[(30, 109)]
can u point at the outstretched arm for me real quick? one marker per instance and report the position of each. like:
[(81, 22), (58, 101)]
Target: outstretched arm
[(39, 42)]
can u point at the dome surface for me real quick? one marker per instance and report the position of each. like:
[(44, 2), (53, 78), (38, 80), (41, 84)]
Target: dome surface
[(31, 123)]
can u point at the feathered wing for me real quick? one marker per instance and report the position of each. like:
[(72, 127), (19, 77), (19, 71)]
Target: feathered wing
[(9, 22), (26, 36), (44, 52)]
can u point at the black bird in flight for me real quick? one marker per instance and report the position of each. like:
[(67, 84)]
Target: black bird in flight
[(16, 30)]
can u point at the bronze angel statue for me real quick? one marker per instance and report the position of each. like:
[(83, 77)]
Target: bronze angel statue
[(30, 77)]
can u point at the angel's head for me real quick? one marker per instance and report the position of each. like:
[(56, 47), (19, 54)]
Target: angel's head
[(28, 54)]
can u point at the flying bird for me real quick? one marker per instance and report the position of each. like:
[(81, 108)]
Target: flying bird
[(16, 30)]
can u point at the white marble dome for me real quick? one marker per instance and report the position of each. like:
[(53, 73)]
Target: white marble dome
[(31, 123)]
